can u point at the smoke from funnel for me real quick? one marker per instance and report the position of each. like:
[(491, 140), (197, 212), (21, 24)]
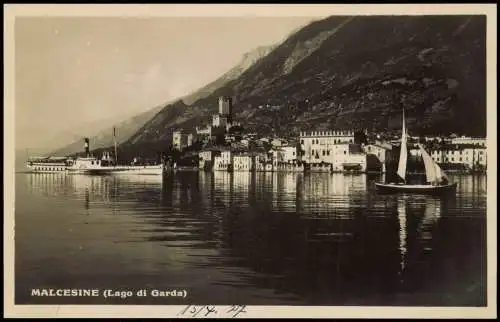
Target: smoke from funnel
[(87, 147)]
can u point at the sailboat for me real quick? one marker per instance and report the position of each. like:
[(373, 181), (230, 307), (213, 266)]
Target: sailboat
[(437, 180)]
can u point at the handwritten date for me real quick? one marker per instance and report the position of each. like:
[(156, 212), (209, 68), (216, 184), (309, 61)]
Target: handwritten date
[(210, 310)]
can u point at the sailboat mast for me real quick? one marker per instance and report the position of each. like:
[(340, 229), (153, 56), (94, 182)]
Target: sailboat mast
[(116, 150)]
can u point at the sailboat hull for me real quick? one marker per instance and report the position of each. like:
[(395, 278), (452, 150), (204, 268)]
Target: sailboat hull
[(416, 188)]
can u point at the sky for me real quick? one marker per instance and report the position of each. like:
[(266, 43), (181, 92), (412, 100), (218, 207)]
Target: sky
[(71, 71)]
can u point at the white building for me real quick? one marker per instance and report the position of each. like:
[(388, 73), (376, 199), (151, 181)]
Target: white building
[(468, 155), (290, 154), (243, 162), (469, 140), (263, 162), (347, 157), (286, 159), (276, 157), (319, 144), (224, 161), (207, 159), (380, 150)]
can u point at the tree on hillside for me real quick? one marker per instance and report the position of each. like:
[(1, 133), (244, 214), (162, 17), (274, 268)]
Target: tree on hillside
[(236, 129)]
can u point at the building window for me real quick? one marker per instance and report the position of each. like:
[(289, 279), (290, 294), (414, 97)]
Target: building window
[(327, 152), (301, 141), (345, 152), (323, 152)]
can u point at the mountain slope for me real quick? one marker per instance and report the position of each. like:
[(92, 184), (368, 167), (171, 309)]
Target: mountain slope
[(359, 75), (355, 72), (246, 62)]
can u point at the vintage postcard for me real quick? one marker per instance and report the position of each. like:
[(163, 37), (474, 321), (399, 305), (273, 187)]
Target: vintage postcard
[(236, 161)]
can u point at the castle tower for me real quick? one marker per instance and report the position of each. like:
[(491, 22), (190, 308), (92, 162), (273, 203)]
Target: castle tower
[(226, 108)]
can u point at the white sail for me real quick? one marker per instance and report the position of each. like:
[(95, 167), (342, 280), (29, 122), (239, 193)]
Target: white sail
[(403, 155), (439, 172), (430, 169), (433, 172)]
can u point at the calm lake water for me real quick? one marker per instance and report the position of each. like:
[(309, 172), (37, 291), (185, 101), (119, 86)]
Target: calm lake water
[(255, 239)]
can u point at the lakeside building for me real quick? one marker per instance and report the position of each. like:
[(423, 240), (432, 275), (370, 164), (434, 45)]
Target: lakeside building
[(224, 161), (317, 140), (206, 159), (332, 151), (243, 162), (348, 156), (290, 154), (381, 153), (287, 158), (469, 140), (263, 162), (470, 155)]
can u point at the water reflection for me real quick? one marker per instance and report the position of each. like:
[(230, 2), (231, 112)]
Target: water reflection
[(402, 231), (48, 184), (418, 218), (291, 238)]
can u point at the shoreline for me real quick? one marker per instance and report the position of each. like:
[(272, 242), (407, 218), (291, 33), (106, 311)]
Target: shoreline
[(280, 171)]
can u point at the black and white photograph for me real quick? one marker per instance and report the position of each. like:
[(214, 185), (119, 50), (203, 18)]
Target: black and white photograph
[(213, 160)]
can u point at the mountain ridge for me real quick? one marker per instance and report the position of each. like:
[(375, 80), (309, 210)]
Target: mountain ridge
[(247, 60)]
